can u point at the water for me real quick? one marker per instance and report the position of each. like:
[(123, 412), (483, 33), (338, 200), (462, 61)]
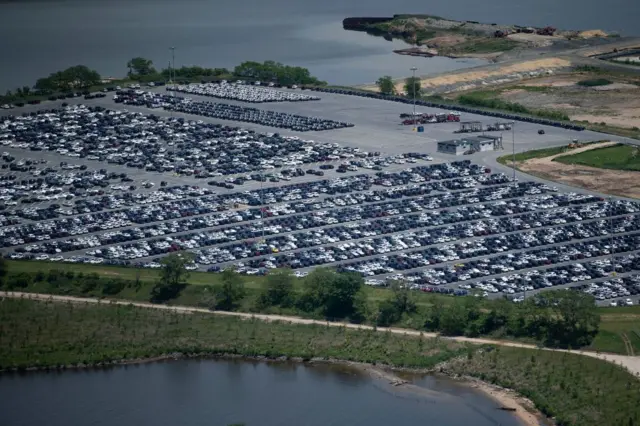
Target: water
[(218, 393), (42, 36)]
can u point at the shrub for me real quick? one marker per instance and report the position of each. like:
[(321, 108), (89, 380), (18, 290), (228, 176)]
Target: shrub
[(594, 82)]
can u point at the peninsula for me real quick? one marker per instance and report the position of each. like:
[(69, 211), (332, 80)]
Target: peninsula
[(435, 36)]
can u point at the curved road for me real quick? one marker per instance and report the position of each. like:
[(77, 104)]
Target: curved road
[(632, 363)]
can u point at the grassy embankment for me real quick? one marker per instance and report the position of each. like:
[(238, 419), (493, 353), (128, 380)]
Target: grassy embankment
[(617, 324), (53, 334), (618, 157), (575, 390), (200, 283), (540, 153)]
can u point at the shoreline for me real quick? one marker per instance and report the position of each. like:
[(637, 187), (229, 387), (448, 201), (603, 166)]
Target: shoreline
[(507, 399), (521, 407)]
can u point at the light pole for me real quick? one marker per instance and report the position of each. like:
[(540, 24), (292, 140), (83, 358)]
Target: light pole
[(172, 75), (513, 155), (611, 210), (172, 72), (413, 83)]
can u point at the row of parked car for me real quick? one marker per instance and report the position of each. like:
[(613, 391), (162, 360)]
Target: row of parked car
[(478, 247), (231, 112), (174, 203), (33, 181), (460, 108), (157, 144), (286, 233), (241, 92)]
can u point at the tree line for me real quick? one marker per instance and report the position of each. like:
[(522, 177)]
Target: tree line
[(81, 77), (411, 86), (557, 318)]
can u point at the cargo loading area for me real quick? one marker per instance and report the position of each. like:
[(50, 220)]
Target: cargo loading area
[(368, 194)]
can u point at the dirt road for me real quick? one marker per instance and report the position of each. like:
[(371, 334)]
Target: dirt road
[(632, 363)]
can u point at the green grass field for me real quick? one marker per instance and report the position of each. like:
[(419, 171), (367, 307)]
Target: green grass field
[(528, 155), (616, 326), (618, 157)]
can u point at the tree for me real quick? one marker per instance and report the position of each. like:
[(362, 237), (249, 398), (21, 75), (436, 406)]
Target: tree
[(574, 321), (387, 313), (362, 309), (231, 291), (403, 298), (279, 289), (453, 320), (139, 67), (277, 72), (194, 72), (330, 293), (78, 76), (4, 268), (411, 86), (401, 301), (386, 86), (172, 276)]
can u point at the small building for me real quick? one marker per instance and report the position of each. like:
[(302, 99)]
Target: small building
[(470, 144)]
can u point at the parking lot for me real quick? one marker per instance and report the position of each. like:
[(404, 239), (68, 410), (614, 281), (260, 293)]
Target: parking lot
[(102, 182)]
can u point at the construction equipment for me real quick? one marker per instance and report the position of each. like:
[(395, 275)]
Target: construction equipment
[(498, 127), (430, 118), (546, 31), (469, 127)]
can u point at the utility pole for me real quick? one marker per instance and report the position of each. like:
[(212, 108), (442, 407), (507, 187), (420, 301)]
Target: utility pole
[(611, 252), (513, 156), (413, 82), (262, 204), (172, 72), (172, 66)]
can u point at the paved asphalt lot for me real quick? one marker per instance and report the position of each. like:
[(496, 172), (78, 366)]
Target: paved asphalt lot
[(376, 128)]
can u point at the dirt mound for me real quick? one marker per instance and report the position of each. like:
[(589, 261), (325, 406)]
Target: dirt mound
[(474, 76), (444, 41), (592, 33)]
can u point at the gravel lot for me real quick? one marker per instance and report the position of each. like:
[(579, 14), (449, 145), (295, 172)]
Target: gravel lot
[(380, 201)]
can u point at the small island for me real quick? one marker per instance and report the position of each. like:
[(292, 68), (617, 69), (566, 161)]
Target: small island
[(436, 36)]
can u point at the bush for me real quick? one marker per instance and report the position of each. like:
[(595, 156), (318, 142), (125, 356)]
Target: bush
[(20, 280), (230, 292), (39, 276), (594, 82), (112, 287)]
